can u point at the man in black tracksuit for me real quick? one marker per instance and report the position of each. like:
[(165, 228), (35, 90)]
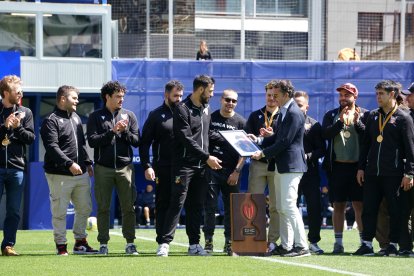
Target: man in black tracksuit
[(191, 122), (309, 185), (386, 165), (158, 133), (68, 170), (112, 131)]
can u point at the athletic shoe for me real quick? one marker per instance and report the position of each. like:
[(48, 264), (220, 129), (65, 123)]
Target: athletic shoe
[(381, 252), (391, 251), (227, 249), (62, 249), (163, 250), (131, 249), (314, 248), (82, 247), (338, 248), (271, 248), (297, 252), (364, 250), (103, 250), (9, 251), (197, 250), (405, 253), (208, 246)]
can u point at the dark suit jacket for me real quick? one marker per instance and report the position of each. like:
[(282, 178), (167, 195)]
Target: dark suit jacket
[(286, 145)]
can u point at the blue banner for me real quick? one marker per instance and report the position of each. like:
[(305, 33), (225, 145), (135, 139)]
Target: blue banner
[(9, 63)]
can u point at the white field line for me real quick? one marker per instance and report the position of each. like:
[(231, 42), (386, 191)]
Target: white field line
[(318, 267)]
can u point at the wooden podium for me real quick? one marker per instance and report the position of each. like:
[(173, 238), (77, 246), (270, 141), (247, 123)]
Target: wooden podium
[(248, 224)]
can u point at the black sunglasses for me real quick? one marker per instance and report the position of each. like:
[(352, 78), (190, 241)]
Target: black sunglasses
[(228, 100)]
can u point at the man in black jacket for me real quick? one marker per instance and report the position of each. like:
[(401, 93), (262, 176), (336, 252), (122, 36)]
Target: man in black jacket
[(343, 128), (16, 131), (309, 185), (191, 122), (112, 131), (386, 165), (158, 133), (68, 168)]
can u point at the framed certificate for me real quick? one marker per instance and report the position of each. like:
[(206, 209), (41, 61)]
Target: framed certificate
[(240, 142)]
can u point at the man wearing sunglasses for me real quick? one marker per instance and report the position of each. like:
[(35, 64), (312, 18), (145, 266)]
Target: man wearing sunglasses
[(227, 179)]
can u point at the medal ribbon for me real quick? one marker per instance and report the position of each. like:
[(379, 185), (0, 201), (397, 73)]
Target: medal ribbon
[(381, 123), (268, 122)]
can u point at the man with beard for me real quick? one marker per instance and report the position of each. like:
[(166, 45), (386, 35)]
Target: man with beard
[(191, 122), (309, 185), (68, 170), (158, 133), (112, 131), (386, 166), (262, 123), (343, 128), (227, 179), (16, 131)]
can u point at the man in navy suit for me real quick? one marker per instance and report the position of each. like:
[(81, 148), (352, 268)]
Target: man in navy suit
[(286, 146)]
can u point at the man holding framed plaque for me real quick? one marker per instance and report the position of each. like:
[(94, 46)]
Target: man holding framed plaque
[(227, 179), (286, 147)]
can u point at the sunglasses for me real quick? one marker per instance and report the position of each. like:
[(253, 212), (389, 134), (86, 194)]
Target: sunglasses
[(228, 100)]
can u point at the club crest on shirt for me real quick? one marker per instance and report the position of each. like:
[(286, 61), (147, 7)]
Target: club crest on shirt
[(205, 111), (392, 120), (308, 126), (163, 116), (76, 120), (260, 116), (124, 116), (375, 118), (61, 121), (103, 117)]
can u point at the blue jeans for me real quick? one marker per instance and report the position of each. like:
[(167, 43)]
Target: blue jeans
[(12, 181)]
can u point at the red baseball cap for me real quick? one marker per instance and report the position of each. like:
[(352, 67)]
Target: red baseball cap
[(349, 87)]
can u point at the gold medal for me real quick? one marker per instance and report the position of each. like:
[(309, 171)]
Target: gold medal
[(5, 141), (380, 138), (347, 134)]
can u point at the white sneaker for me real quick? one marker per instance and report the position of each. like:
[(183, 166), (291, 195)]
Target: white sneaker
[(163, 250), (315, 249), (197, 250)]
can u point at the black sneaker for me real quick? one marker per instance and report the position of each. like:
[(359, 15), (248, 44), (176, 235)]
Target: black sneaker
[(364, 250), (62, 249), (381, 252), (297, 252), (391, 251), (208, 247), (82, 247), (280, 251), (227, 249), (405, 253)]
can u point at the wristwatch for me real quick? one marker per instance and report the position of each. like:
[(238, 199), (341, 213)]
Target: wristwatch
[(409, 176)]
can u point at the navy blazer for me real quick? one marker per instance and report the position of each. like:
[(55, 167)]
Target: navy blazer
[(287, 147)]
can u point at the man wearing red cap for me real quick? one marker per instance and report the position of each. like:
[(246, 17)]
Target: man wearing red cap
[(343, 127)]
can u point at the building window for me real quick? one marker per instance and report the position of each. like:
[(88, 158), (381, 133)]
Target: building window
[(72, 36), (17, 33), (370, 26)]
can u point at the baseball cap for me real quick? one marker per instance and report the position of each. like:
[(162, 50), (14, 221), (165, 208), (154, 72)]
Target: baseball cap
[(409, 91), (350, 88)]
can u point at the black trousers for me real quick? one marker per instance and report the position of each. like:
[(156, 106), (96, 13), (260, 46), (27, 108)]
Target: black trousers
[(162, 198), (375, 188), (406, 234), (188, 189), (218, 183), (309, 186)]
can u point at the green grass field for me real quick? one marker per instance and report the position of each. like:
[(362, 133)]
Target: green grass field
[(38, 258)]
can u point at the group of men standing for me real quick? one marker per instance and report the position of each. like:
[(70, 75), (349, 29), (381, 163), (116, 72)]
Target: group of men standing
[(369, 157)]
